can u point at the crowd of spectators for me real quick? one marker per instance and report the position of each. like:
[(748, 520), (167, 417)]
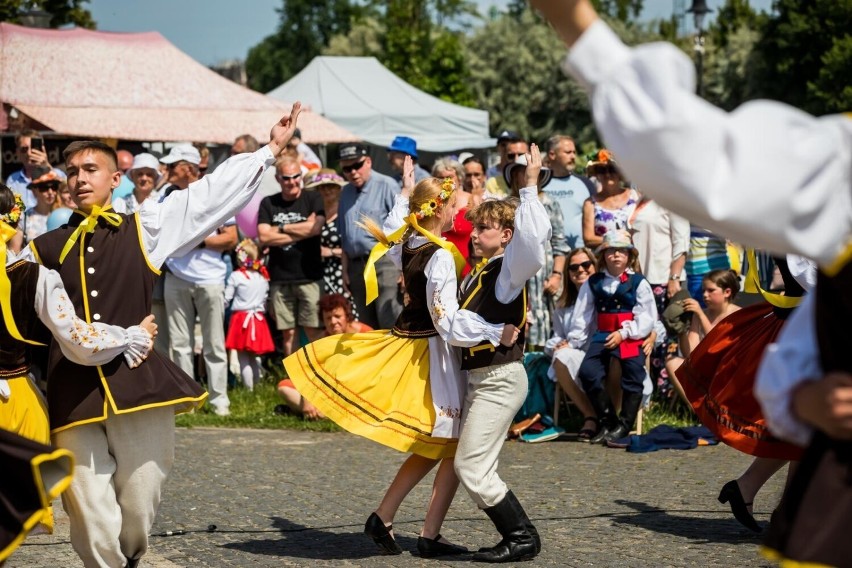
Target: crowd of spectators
[(314, 249)]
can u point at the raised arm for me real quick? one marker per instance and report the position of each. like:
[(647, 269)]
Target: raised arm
[(524, 255), (181, 221), (86, 343)]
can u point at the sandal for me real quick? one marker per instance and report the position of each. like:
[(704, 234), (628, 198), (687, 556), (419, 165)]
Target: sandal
[(586, 434)]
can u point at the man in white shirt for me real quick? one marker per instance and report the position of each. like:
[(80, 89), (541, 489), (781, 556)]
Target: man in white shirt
[(195, 286)]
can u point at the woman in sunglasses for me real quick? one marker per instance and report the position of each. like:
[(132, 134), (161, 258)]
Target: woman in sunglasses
[(580, 264), (45, 186), (615, 202)]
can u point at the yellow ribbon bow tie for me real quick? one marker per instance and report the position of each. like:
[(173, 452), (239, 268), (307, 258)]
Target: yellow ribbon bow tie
[(88, 225), (752, 286), (380, 249), (480, 265), (6, 234)]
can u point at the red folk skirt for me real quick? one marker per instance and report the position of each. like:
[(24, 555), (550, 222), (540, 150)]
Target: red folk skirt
[(718, 378), (248, 331)]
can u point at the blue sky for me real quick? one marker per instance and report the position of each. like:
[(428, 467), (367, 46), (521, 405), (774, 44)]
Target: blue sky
[(211, 31)]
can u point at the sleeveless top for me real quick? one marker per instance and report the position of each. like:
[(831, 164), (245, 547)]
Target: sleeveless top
[(611, 219), (14, 354), (415, 320)]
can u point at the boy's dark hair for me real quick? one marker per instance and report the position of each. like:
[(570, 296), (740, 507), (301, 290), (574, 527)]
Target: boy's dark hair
[(75, 148)]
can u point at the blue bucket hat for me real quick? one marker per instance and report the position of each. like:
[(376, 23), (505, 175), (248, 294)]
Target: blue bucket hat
[(405, 145)]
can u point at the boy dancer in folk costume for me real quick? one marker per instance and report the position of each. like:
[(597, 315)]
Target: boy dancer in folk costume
[(511, 242), (403, 387), (30, 293), (119, 422), (724, 171)]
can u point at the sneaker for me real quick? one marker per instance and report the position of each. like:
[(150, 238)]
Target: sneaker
[(545, 435), (221, 411)]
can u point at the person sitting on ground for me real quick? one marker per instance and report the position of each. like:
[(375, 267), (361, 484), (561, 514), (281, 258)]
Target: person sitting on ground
[(719, 287), (336, 313)]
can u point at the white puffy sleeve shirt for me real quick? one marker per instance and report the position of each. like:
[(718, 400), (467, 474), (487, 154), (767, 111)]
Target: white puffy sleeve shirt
[(767, 174), (81, 342)]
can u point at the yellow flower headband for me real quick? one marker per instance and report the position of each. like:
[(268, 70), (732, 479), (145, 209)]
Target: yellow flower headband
[(428, 209), (12, 216)]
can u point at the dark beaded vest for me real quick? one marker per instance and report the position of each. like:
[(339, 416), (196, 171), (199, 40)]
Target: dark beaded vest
[(480, 296)]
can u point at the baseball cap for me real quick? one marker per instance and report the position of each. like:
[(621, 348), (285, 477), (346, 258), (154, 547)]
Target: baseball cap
[(352, 150), (182, 152), (508, 136)]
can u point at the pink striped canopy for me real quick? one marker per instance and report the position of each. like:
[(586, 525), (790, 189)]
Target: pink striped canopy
[(134, 86)]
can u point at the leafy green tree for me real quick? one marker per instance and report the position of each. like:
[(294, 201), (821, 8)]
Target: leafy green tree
[(806, 54), (516, 75), (305, 28), (62, 12)]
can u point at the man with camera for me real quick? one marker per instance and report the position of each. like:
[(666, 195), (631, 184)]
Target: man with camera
[(29, 146)]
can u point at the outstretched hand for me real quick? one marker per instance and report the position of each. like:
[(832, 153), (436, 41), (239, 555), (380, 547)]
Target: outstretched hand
[(407, 175), (569, 18), (283, 130), (533, 166)]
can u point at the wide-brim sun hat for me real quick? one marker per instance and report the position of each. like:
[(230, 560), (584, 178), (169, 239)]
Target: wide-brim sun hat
[(521, 162), (325, 176), (617, 239)]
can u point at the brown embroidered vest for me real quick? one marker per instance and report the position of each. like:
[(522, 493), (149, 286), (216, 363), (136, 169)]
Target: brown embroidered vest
[(15, 355), (415, 320), (479, 295), (109, 280)]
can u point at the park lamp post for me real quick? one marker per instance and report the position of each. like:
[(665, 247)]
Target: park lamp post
[(699, 11)]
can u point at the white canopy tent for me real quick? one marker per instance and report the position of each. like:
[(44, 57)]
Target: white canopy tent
[(362, 96)]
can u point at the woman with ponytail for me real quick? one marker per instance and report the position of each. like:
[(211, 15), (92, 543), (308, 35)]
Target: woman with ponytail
[(403, 387)]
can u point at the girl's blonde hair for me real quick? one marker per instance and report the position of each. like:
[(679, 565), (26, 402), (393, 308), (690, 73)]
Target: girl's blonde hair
[(569, 289), (250, 249), (427, 190)]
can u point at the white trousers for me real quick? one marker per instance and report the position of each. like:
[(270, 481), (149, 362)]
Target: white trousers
[(121, 466), (494, 395), (185, 300)]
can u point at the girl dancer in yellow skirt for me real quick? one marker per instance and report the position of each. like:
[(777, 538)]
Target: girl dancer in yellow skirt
[(403, 387), (29, 293)]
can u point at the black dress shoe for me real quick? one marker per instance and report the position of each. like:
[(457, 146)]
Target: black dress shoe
[(619, 432), (600, 437), (430, 548), (732, 495), (375, 528)]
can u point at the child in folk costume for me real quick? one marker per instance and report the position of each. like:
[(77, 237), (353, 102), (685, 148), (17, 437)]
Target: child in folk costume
[(122, 419), (616, 308), (403, 387), (30, 293), (738, 174), (248, 333), (511, 241)]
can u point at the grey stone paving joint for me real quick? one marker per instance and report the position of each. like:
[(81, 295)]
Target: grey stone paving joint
[(284, 498)]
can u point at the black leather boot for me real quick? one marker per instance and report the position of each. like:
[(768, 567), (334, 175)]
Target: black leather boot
[(630, 403), (513, 525), (606, 414)]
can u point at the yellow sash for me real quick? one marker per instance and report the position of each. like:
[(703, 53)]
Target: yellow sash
[(381, 249), (752, 286), (88, 225), (6, 234)]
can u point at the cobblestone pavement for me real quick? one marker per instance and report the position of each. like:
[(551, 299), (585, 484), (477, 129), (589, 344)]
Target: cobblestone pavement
[(285, 498)]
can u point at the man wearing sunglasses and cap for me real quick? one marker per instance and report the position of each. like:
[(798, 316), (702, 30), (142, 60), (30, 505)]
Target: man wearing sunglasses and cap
[(45, 187), (372, 195)]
